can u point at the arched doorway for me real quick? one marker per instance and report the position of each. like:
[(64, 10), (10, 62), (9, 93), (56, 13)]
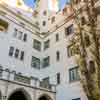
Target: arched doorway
[(44, 97), (19, 95)]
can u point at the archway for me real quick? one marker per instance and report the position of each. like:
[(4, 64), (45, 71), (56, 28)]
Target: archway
[(19, 95), (45, 97)]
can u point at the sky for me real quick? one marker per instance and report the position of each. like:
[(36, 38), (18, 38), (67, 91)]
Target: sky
[(31, 3)]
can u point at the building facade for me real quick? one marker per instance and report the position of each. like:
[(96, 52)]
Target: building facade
[(37, 61)]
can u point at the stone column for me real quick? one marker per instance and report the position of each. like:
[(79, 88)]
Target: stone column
[(5, 74), (12, 74)]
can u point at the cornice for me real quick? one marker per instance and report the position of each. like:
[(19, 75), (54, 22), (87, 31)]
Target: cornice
[(38, 33)]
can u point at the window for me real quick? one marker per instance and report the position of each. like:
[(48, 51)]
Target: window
[(70, 51), (91, 66), (45, 83), (57, 56), (83, 21), (46, 62), (3, 25), (46, 44), (22, 55), (76, 99), (15, 32), (73, 74), (44, 13), (69, 30), (64, 11), (87, 40), (57, 37), (44, 23), (37, 45), (11, 51), (35, 13), (53, 19), (25, 37), (35, 62), (1, 70), (16, 53), (19, 35), (46, 80), (58, 78)]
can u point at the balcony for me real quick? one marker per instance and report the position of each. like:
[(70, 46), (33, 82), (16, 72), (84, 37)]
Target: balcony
[(45, 85), (23, 79), (13, 77)]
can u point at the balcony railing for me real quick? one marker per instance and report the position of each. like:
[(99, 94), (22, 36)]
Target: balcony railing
[(23, 79), (45, 85), (12, 76)]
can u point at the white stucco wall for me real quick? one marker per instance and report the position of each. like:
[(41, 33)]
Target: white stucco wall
[(65, 90)]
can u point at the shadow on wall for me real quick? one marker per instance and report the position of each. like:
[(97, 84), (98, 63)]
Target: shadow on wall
[(44, 97), (19, 94)]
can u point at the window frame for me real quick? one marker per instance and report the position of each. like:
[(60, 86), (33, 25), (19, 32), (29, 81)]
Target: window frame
[(35, 63), (57, 56), (57, 37), (69, 30), (22, 55), (16, 55), (46, 62), (74, 74), (44, 23), (11, 51), (46, 44), (25, 37), (58, 78), (70, 52), (53, 19), (37, 45)]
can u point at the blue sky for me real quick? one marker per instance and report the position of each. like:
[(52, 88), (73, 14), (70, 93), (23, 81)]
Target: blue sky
[(31, 2), (61, 3)]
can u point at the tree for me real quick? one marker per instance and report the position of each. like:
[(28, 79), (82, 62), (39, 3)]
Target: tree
[(86, 19)]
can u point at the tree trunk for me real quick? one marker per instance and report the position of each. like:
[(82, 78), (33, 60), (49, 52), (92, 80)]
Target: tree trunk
[(90, 85), (85, 75)]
